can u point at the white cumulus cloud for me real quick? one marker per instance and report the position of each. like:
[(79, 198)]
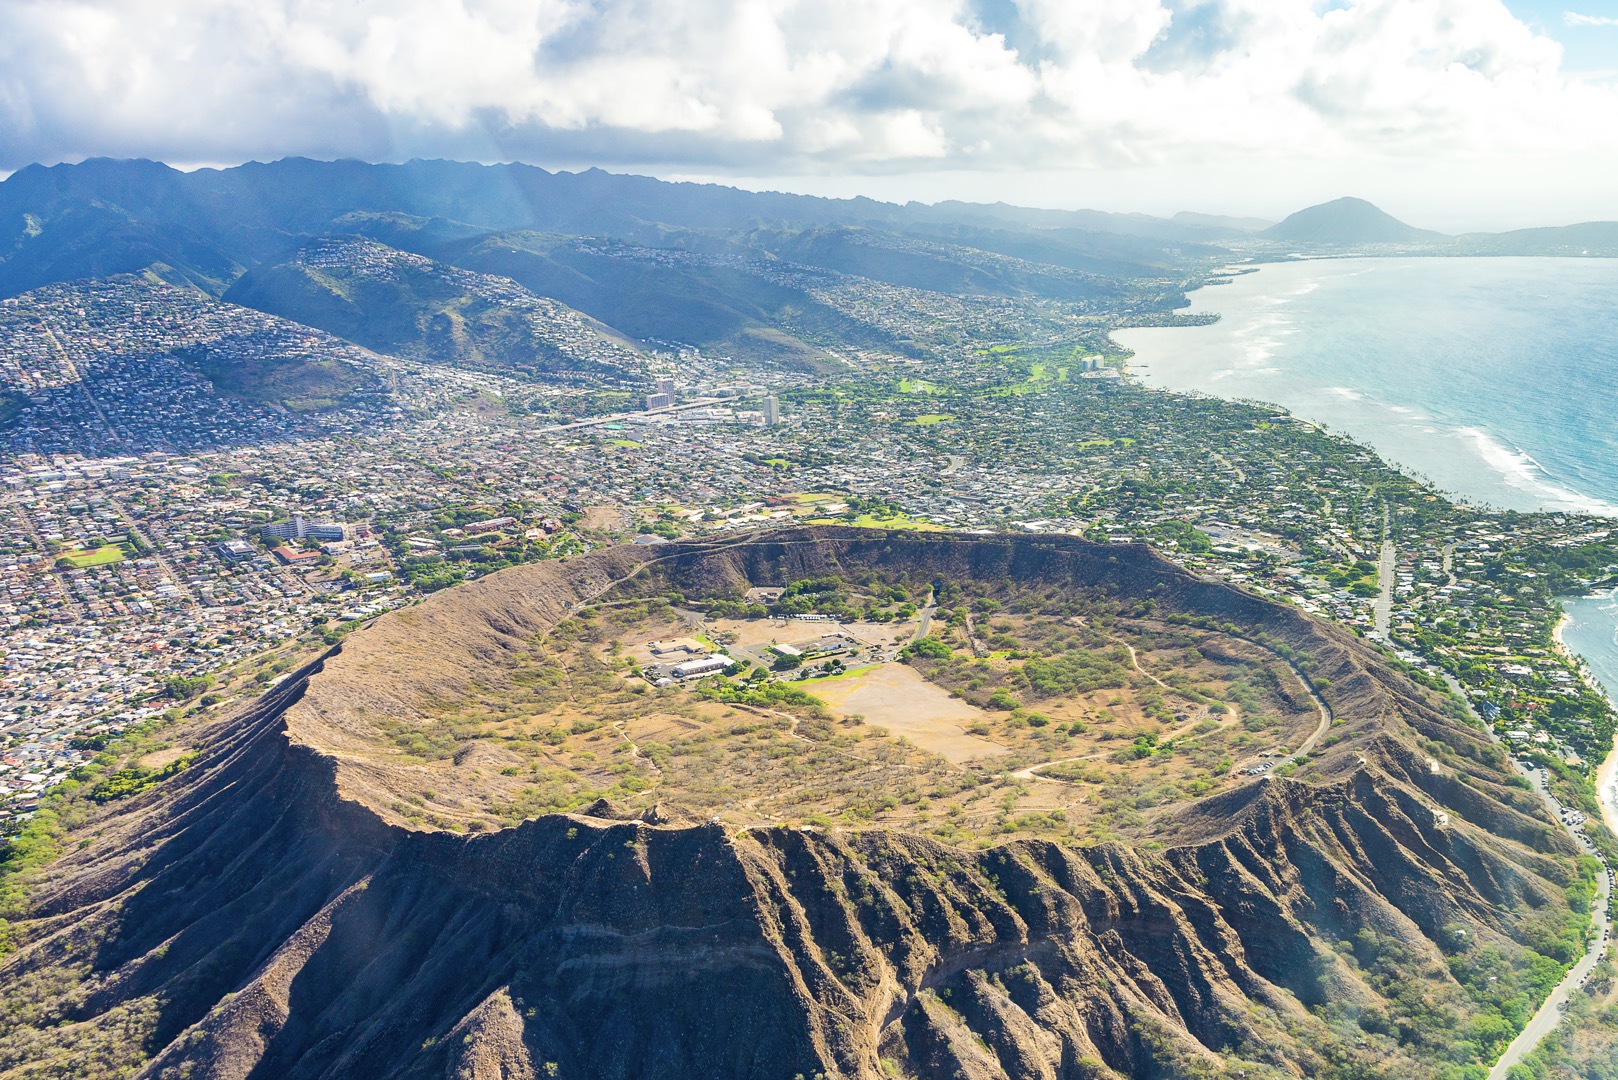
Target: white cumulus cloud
[(789, 86)]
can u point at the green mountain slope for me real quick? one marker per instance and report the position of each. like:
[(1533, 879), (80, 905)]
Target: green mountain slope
[(103, 216), (943, 264), (723, 305), (408, 305)]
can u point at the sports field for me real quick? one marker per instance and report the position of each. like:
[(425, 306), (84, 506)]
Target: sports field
[(100, 556)]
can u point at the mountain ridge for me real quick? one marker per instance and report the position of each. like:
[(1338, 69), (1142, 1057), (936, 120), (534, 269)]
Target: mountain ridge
[(253, 211), (68, 221)]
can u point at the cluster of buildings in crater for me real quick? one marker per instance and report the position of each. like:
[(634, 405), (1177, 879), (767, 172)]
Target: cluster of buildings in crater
[(670, 662), (683, 659)]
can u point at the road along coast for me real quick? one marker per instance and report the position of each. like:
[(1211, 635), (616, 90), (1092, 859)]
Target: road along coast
[(1549, 1014)]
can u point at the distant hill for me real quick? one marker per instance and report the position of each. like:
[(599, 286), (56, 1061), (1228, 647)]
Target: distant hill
[(408, 305), (1346, 222), (1589, 238), (670, 295), (223, 375), (973, 262), (760, 275), (1183, 228)]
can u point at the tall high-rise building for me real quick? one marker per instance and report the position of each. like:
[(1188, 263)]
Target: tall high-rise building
[(665, 386), (772, 411), (659, 401)]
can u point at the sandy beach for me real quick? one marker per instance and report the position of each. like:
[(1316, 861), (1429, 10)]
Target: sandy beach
[(1607, 771), (1561, 645)]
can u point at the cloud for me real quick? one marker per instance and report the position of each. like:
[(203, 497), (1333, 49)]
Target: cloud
[(788, 85), (1573, 18)]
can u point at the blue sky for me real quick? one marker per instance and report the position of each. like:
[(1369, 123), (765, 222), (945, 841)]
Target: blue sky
[(1587, 48)]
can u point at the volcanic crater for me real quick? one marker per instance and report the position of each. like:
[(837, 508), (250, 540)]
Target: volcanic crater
[(1057, 809)]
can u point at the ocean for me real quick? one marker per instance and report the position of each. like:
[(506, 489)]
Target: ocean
[(1495, 379), (1592, 632)]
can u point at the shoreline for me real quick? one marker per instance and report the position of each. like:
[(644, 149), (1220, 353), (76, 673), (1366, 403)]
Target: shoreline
[(1470, 458), (1561, 645), (1606, 777)]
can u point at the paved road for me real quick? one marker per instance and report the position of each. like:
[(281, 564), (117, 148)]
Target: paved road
[(157, 555), (1385, 576), (27, 521), (925, 623), (78, 379), (1325, 715), (1384, 599)]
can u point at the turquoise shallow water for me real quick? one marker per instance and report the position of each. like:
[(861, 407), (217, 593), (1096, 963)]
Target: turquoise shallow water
[(1497, 379), (1592, 632)]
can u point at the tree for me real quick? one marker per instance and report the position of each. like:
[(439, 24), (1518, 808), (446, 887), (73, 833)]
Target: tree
[(929, 647), (184, 687)]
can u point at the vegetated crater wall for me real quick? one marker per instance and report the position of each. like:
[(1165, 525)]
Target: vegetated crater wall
[(265, 917)]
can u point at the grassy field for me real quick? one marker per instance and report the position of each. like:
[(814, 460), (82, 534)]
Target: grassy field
[(101, 556), (929, 419), (898, 521), (871, 521)]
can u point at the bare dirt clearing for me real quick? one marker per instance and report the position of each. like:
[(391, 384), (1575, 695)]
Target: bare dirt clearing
[(896, 697), (157, 759)]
